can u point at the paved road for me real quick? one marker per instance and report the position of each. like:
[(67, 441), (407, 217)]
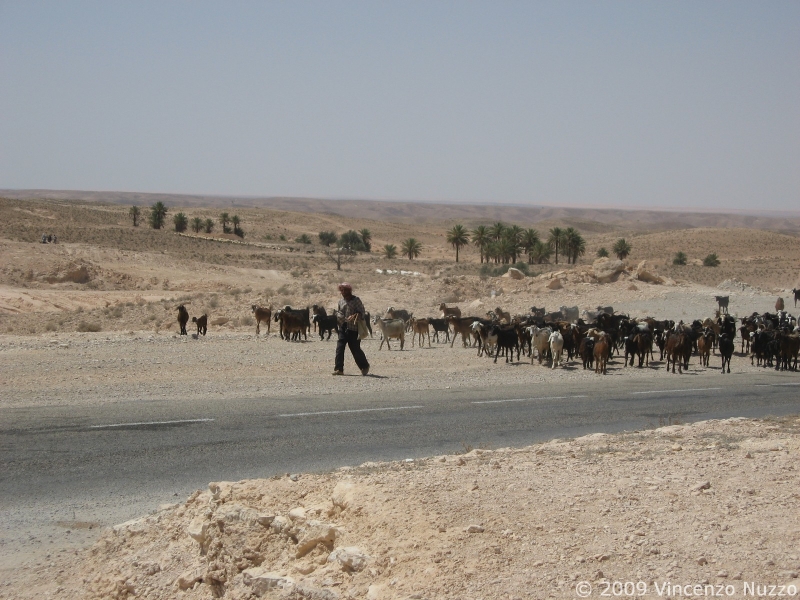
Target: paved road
[(112, 463)]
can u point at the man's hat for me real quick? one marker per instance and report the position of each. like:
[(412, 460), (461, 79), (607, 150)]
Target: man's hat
[(345, 286)]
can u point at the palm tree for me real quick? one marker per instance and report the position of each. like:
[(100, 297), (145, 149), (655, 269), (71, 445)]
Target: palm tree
[(529, 239), (209, 225), (507, 249), (181, 222), (235, 221), (574, 244), (134, 213), (480, 237), (514, 236), (602, 252), (197, 224), (496, 231), (540, 252), (711, 260), (366, 238), (390, 251), (680, 259), (457, 237), (556, 236), (411, 248), (224, 219), (158, 214), (621, 248)]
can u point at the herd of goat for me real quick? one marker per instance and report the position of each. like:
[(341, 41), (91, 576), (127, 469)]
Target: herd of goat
[(770, 339)]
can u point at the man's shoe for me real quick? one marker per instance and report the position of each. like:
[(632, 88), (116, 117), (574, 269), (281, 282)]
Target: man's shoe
[(338, 372), (365, 371)]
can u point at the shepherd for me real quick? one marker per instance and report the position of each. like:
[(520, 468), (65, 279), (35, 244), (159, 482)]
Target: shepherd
[(349, 311)]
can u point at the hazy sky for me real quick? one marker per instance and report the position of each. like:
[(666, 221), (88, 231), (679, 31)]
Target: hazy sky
[(626, 103)]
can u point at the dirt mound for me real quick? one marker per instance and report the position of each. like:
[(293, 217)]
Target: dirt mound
[(708, 503)]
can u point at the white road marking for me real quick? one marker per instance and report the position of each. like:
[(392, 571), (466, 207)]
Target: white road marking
[(149, 423), (682, 390), (774, 384), (343, 412), (526, 399)]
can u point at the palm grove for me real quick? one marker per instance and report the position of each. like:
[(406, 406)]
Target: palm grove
[(158, 217)]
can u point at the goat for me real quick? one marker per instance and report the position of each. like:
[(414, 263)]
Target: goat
[(704, 344), (644, 347), (391, 328), (570, 313), (393, 313), (440, 325), (556, 347), (461, 325), (451, 311), (507, 339), (292, 323), (586, 351), (262, 314), (722, 302), (301, 314), (602, 350), (502, 315), (538, 312), (726, 350), (325, 323), (486, 341), (421, 328), (675, 348), (540, 338), (183, 318), (202, 324)]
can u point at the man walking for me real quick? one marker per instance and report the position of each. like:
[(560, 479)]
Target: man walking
[(348, 312)]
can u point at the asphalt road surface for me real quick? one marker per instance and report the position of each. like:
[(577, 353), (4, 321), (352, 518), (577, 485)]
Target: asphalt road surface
[(66, 469)]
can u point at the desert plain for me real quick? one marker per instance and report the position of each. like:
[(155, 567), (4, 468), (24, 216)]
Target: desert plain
[(91, 320)]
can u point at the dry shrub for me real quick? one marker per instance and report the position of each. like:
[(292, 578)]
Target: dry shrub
[(79, 275), (247, 321), (86, 326)]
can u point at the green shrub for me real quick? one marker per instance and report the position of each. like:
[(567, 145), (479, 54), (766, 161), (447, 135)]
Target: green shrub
[(711, 260)]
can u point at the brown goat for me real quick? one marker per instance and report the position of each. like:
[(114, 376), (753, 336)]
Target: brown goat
[(262, 314), (449, 311), (421, 328), (602, 349)]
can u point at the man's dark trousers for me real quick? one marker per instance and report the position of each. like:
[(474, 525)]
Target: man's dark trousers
[(349, 337)]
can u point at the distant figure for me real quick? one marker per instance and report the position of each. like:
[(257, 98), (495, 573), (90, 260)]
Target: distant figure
[(44, 238), (779, 304), (55, 240), (50, 238)]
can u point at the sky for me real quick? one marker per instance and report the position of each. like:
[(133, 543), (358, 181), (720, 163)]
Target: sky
[(642, 104)]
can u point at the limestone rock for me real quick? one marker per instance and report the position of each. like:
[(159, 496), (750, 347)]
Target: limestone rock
[(220, 490), (315, 533), (262, 581), (607, 270), (233, 512), (189, 578), (344, 495), (351, 559), (514, 274), (298, 514), (198, 529), (555, 284), (475, 529), (647, 274)]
